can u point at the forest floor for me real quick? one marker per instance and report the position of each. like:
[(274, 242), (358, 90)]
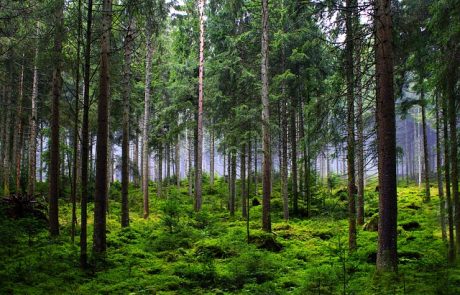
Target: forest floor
[(177, 251)]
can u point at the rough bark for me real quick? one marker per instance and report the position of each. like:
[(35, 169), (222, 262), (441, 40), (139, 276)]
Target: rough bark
[(18, 136), (425, 148), (177, 160), (199, 152), (232, 183), (244, 209), (442, 202), (293, 140), (211, 161), (54, 140), (360, 143), (128, 51), (76, 126), (386, 140), (33, 127), (266, 220), (100, 198), (145, 126), (284, 161), (350, 126), (447, 162)]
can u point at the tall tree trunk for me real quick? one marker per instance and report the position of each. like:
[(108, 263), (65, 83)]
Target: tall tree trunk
[(145, 127), (100, 198), (75, 130), (386, 140), (177, 160), (199, 151), (232, 182), (450, 213), (211, 161), (160, 171), (128, 51), (33, 127), (244, 196), (19, 133), (425, 147), (136, 173), (442, 202), (54, 140), (266, 220), (284, 160), (360, 142), (454, 156), (293, 139), (350, 126)]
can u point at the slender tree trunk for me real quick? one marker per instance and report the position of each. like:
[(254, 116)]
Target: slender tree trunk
[(211, 162), (244, 195), (293, 135), (249, 174), (256, 186), (266, 220), (199, 151), (360, 143), (177, 160), (136, 175), (128, 51), (386, 140), (232, 183), (350, 127), (442, 202), (6, 147), (145, 127), (33, 127), (425, 148), (100, 199), (76, 127), (454, 157), (19, 133), (54, 140), (450, 213), (284, 161), (160, 171)]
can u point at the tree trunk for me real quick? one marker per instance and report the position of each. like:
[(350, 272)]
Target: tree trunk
[(244, 196), (350, 127), (284, 160), (360, 143), (199, 151), (266, 220), (386, 140), (100, 198), (293, 135), (75, 130), (425, 148), (177, 160), (450, 213), (442, 202), (232, 183), (160, 171), (33, 127), (54, 140), (190, 171), (454, 156), (145, 127), (211, 161), (128, 51), (19, 133)]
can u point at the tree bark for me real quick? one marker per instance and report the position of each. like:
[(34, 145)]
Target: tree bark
[(360, 142), (19, 133), (293, 139), (284, 160), (177, 160), (386, 140), (232, 183), (244, 209), (266, 220), (128, 51), (33, 127), (75, 130), (145, 126), (350, 126), (211, 162), (450, 213), (54, 140), (425, 147), (442, 202), (199, 152), (100, 198)]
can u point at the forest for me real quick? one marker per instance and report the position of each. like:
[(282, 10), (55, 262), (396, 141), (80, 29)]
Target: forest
[(229, 147)]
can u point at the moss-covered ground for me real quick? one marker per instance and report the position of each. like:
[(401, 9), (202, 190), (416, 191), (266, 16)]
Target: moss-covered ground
[(177, 251)]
